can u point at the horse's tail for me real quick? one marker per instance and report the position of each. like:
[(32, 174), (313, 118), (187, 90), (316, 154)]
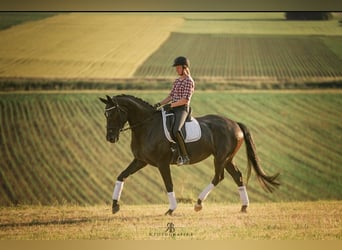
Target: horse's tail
[(269, 183)]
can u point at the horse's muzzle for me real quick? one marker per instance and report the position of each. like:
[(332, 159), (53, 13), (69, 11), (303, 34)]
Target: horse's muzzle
[(111, 138)]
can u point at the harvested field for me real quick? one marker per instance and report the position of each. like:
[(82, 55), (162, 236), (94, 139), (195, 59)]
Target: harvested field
[(320, 220), (82, 45)]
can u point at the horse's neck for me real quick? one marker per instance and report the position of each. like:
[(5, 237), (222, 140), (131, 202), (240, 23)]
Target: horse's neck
[(137, 111)]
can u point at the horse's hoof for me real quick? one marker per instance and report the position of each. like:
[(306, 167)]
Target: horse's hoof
[(198, 207), (115, 208), (169, 212), (244, 209)]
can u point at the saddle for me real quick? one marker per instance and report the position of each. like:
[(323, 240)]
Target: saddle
[(191, 129)]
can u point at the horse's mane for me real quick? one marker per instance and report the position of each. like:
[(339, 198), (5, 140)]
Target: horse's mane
[(136, 99)]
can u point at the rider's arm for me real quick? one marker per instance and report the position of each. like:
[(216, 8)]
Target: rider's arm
[(181, 102)]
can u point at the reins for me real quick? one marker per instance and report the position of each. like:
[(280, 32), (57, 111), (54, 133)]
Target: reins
[(129, 127), (138, 124)]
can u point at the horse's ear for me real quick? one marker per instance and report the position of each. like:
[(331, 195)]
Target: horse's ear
[(109, 99), (103, 100)]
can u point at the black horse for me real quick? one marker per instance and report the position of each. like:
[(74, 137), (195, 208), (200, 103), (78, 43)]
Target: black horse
[(221, 137)]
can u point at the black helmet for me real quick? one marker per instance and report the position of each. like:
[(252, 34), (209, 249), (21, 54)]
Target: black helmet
[(181, 60)]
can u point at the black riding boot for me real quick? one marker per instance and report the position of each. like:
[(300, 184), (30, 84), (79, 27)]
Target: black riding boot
[(183, 159)]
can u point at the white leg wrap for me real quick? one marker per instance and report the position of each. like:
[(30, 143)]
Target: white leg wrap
[(172, 200), (243, 196), (206, 192), (117, 190)]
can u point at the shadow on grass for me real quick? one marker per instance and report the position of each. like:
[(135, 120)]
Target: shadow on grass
[(52, 222), (72, 221)]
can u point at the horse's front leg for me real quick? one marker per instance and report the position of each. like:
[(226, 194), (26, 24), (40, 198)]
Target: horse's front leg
[(166, 175), (131, 169)]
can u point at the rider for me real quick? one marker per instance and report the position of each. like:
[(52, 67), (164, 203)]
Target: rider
[(180, 97)]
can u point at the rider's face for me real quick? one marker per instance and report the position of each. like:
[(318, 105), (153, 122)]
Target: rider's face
[(180, 70)]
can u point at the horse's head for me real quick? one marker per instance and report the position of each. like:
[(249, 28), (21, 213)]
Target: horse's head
[(116, 118)]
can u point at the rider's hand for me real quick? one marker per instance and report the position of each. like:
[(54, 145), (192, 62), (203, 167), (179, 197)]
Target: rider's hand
[(167, 107), (157, 106)]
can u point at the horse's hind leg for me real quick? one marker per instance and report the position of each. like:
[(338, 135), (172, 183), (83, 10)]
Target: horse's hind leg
[(219, 176), (237, 177)]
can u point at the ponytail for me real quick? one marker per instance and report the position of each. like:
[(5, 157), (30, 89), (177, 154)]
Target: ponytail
[(186, 71)]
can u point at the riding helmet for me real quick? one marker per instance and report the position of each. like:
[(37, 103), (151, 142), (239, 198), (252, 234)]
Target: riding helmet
[(181, 60)]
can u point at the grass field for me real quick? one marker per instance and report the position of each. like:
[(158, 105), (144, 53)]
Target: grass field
[(319, 220), (53, 148)]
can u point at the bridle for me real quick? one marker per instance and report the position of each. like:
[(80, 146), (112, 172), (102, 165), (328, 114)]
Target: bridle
[(119, 109)]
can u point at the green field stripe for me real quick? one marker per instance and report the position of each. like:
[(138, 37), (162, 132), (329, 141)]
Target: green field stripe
[(53, 176), (12, 161), (50, 146), (8, 160), (56, 147), (328, 118), (296, 145), (62, 159), (334, 44), (312, 158), (72, 137), (308, 159), (6, 193), (327, 107), (39, 165), (296, 168), (285, 123), (85, 126), (26, 179), (39, 168)]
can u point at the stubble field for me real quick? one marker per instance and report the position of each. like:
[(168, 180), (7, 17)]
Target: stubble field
[(319, 220), (82, 45)]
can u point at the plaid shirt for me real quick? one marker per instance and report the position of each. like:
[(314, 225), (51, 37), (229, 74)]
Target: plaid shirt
[(182, 88)]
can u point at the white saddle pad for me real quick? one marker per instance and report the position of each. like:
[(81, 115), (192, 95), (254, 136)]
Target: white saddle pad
[(193, 129)]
